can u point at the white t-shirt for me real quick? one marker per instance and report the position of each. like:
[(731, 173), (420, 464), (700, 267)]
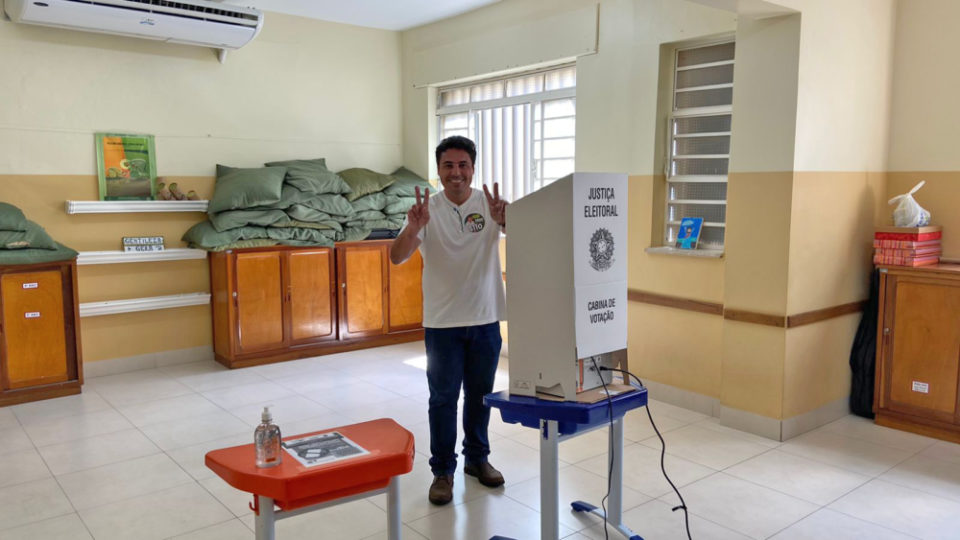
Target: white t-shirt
[(462, 282)]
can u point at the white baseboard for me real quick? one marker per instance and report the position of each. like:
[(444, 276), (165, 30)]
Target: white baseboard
[(771, 428), (802, 423), (115, 366), (683, 398)]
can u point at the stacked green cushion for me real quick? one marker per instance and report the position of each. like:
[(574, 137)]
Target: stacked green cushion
[(312, 176), (406, 183), (203, 235), (11, 218), (373, 201), (246, 188), (364, 182)]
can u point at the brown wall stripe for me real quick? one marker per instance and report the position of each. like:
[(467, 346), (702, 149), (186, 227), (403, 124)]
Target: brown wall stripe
[(741, 315), (811, 317), (711, 308), (753, 317)]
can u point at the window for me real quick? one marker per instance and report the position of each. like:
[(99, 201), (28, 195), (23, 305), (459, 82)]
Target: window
[(524, 127), (699, 145)]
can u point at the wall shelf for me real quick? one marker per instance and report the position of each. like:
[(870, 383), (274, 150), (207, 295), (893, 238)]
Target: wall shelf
[(113, 257), (117, 207), (111, 307)]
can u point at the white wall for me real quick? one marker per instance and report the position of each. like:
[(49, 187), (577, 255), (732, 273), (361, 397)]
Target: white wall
[(302, 89), (843, 92), (616, 87), (926, 89)]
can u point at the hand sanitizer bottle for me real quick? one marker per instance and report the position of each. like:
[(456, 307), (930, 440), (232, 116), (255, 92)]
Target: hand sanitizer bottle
[(266, 440)]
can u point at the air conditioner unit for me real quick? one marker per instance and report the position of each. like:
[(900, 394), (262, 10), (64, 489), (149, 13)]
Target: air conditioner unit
[(191, 22)]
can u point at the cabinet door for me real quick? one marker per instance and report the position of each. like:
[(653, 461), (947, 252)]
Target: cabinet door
[(259, 301), (405, 294), (923, 347), (33, 329), (311, 284), (363, 272)]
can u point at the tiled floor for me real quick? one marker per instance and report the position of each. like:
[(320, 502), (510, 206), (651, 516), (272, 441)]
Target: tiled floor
[(124, 460)]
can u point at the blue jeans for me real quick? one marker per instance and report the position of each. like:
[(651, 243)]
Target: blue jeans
[(463, 356)]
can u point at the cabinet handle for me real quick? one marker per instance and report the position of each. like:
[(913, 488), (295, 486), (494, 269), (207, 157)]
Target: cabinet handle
[(343, 285), (886, 331)]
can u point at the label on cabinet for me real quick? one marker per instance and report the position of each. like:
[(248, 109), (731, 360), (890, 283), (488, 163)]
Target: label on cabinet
[(921, 387), (31, 285), (31, 315)]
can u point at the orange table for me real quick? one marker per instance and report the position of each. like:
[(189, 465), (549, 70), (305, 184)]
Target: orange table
[(296, 489)]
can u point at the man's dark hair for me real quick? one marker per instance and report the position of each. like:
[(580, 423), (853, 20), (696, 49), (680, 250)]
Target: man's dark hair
[(458, 142)]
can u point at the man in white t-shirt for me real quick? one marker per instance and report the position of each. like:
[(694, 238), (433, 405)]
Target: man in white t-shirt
[(458, 233)]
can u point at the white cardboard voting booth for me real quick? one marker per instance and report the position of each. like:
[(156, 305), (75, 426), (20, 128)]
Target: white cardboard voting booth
[(567, 284)]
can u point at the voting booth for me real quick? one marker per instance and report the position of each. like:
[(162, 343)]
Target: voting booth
[(567, 284)]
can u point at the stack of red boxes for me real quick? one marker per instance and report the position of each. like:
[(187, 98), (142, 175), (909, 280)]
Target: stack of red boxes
[(907, 246)]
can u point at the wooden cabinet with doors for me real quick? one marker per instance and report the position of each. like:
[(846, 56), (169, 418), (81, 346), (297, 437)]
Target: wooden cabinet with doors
[(39, 332), (376, 296), (279, 303), (918, 350)]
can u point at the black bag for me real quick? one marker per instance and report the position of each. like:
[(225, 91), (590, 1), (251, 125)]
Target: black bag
[(863, 355)]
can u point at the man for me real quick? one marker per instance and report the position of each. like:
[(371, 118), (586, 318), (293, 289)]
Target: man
[(458, 233)]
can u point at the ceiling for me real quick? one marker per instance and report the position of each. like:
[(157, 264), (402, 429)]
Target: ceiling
[(384, 14)]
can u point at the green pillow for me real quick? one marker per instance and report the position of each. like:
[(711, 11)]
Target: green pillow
[(246, 188), (33, 236), (368, 215), (11, 218), (398, 205), (364, 182), (335, 205), (231, 219), (301, 212), (240, 244), (36, 256), (373, 201), (204, 236), (309, 236), (312, 176), (406, 184), (321, 225)]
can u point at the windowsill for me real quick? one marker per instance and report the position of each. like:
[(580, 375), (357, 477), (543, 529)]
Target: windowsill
[(697, 253)]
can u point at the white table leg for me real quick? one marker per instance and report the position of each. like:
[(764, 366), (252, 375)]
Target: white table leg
[(394, 524), (265, 519), (615, 457), (549, 480)]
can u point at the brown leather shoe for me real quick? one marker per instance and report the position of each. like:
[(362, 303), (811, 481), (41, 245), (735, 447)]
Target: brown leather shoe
[(484, 472), (441, 490)]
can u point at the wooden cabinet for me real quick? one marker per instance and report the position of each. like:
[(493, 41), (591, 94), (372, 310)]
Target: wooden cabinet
[(39, 332), (918, 350), (280, 303), (376, 296)]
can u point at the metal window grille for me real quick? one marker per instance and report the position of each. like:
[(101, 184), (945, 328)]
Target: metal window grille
[(524, 127), (699, 141)]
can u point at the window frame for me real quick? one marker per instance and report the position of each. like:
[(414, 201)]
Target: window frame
[(532, 104), (673, 114)]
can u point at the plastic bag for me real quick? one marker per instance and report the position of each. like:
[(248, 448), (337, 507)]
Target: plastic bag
[(909, 213)]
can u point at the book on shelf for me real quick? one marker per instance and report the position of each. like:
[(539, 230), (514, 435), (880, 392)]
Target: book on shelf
[(906, 244), (923, 252), (906, 261), (915, 234)]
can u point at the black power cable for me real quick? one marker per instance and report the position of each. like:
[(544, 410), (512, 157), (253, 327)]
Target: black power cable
[(663, 450)]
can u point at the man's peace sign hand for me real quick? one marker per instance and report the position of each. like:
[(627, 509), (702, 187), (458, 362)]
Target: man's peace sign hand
[(498, 206), (419, 213)]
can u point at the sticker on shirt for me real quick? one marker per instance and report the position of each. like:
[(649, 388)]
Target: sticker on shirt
[(474, 222)]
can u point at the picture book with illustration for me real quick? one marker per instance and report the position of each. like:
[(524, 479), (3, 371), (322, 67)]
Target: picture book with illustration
[(689, 234)]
